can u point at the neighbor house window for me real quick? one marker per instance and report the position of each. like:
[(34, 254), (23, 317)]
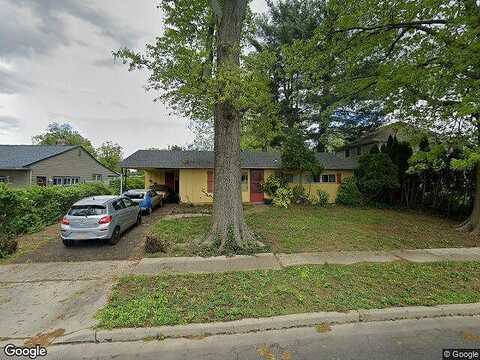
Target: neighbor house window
[(329, 178), (97, 177), (244, 181), (65, 180), (347, 152), (4, 179), (210, 182), (359, 151)]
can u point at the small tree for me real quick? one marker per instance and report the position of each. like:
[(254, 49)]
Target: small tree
[(377, 176), (297, 156), (110, 154)]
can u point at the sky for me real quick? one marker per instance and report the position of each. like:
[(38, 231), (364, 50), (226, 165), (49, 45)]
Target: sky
[(56, 66)]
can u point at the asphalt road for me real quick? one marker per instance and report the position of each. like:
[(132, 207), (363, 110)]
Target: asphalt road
[(130, 245), (392, 340)]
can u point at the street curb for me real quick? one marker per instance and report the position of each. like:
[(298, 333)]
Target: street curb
[(273, 323)]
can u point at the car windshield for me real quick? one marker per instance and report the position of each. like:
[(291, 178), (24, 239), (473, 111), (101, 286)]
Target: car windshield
[(134, 195), (87, 210)]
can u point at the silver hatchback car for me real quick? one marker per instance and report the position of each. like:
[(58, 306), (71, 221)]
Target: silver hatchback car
[(99, 217)]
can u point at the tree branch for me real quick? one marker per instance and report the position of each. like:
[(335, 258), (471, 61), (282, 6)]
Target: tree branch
[(411, 24)]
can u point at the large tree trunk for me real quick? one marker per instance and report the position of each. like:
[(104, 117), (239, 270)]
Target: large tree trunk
[(473, 223), (228, 219)]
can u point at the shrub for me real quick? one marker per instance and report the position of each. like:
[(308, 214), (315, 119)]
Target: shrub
[(377, 176), (272, 184), (321, 200), (299, 195), (8, 245), (155, 244), (133, 182), (283, 197), (30, 209), (348, 193)]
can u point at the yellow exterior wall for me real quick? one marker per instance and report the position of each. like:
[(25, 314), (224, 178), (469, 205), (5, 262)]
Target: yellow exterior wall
[(193, 187), (330, 188), (153, 176), (193, 184)]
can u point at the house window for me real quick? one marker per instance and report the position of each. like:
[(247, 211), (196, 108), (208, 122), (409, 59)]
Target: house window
[(97, 177), (359, 151), (347, 152), (4, 179), (65, 180), (41, 181), (316, 178), (210, 182), (244, 181), (329, 178)]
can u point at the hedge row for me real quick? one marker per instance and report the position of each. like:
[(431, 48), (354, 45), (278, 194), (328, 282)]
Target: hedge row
[(30, 209), (133, 182)]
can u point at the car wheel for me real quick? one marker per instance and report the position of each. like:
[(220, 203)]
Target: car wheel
[(115, 236), (68, 243), (139, 219)]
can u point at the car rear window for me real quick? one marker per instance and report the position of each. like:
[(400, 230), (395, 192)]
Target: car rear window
[(87, 210), (134, 195)]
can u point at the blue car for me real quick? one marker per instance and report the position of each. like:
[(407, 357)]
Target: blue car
[(146, 199)]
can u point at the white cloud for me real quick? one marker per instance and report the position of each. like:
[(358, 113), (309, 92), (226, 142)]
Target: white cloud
[(56, 65)]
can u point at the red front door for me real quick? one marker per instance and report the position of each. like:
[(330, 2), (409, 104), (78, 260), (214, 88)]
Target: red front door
[(256, 178), (170, 180)]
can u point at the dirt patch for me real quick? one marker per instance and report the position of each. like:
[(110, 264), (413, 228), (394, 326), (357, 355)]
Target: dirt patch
[(44, 339), (323, 328)]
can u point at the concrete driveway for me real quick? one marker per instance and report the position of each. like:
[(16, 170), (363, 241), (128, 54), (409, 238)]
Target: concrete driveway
[(51, 249), (53, 299)]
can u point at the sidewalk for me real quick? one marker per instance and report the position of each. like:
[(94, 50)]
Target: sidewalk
[(150, 266), (61, 298)]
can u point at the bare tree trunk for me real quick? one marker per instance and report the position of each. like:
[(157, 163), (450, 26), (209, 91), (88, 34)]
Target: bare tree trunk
[(473, 223), (229, 225)]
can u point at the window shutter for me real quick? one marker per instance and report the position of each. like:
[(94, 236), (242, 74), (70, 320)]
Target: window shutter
[(210, 181), (339, 178)]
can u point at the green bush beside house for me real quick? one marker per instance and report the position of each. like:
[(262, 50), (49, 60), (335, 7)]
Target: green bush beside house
[(30, 209)]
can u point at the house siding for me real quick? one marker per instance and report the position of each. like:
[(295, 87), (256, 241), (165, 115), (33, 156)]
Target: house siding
[(17, 177), (193, 184), (154, 176), (75, 162), (312, 188)]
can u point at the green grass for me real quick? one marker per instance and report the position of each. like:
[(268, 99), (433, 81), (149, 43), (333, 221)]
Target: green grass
[(139, 301), (334, 228)]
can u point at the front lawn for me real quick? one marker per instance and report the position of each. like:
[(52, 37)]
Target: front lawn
[(139, 301), (336, 228)]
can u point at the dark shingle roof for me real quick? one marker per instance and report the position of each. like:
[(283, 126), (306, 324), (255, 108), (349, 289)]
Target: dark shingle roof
[(21, 156), (204, 159)]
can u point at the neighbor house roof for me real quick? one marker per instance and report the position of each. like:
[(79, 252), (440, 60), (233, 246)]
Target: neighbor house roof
[(17, 157), (21, 157), (167, 159), (402, 130)]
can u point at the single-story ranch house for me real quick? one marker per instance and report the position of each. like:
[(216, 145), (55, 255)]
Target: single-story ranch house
[(190, 173), (44, 165)]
